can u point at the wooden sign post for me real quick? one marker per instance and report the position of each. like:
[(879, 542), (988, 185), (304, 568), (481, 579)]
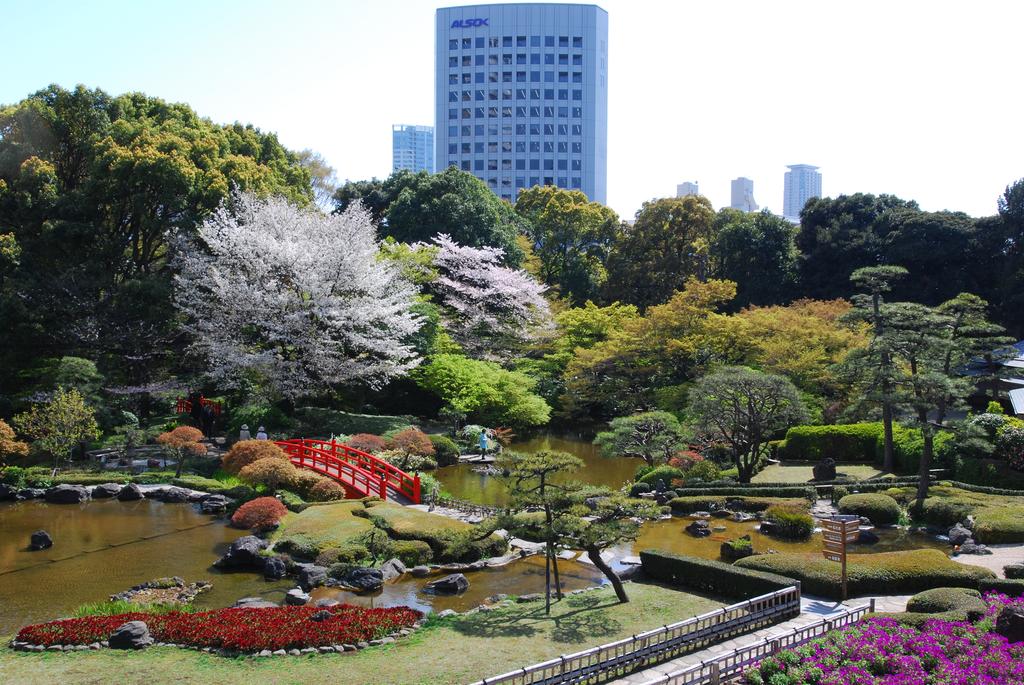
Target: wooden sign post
[(836, 533)]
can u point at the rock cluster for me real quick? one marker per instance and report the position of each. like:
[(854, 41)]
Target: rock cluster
[(699, 528), (40, 540), (454, 584)]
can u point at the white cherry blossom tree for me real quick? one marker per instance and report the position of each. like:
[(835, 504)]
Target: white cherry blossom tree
[(488, 308), (297, 297)]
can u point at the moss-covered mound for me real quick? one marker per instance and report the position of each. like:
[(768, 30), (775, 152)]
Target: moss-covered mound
[(881, 510), (341, 532), (998, 518)]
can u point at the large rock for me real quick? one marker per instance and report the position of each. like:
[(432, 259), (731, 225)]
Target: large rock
[(296, 597), (311, 576), (30, 493), (392, 568), (7, 492), (455, 584), (1010, 623), (825, 469), (274, 568), (131, 635), (214, 504), (40, 540), (958, 535), (866, 537), (420, 571), (699, 529), (172, 495), (130, 493), (106, 491), (243, 553), (67, 494), (364, 579), (972, 547)]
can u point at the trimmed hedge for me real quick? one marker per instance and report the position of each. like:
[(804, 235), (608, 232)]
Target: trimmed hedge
[(786, 491), (1011, 587), (883, 573), (688, 505), (881, 510), (706, 575), (446, 452), (854, 442), (790, 521), (941, 599), (664, 473)]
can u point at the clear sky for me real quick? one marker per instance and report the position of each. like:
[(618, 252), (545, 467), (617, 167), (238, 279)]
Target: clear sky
[(920, 98)]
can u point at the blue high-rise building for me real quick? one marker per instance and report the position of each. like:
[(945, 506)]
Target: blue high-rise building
[(412, 148), (522, 95)]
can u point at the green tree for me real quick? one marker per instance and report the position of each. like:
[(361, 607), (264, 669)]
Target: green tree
[(59, 425), (598, 519), (668, 243), (873, 368), (482, 391), (571, 236), (457, 204), (531, 488), (322, 180), (758, 252), (375, 194), (744, 408), (652, 436), (838, 236), (92, 187)]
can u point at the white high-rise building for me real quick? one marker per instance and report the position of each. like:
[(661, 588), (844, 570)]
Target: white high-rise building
[(802, 183), (687, 188), (743, 195), (412, 148)]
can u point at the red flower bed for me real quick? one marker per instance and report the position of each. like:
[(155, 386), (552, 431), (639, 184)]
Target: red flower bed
[(245, 630)]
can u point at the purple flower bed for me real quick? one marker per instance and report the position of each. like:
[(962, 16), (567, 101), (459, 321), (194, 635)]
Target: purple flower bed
[(879, 651)]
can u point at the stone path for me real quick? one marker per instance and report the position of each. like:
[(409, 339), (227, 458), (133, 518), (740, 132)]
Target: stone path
[(1000, 557), (812, 610)]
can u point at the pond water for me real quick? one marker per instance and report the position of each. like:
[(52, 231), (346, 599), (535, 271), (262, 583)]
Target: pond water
[(465, 483)]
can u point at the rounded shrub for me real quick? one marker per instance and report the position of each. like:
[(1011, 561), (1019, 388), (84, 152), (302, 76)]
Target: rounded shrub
[(271, 473), (262, 512), (705, 470), (246, 452), (412, 441), (304, 481), (939, 600), (446, 452), (664, 473), (367, 442), (638, 489), (790, 521), (880, 509), (326, 490)]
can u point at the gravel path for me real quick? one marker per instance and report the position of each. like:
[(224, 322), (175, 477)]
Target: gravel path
[(1000, 557)]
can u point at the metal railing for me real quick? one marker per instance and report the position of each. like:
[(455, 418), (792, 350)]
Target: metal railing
[(731, 666), (599, 664)]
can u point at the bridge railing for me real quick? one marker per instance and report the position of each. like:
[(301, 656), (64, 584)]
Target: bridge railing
[(609, 661), (389, 474), (358, 481), (730, 666)]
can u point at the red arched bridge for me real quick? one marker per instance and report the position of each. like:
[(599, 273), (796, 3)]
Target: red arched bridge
[(360, 473)]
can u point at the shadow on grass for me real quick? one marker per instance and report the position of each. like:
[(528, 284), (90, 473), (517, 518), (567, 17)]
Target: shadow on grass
[(575, 619)]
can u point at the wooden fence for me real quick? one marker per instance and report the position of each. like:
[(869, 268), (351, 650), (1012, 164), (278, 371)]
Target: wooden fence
[(598, 664), (730, 667)]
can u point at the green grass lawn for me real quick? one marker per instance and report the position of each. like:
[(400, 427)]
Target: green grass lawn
[(453, 651), (326, 525), (998, 518), (803, 473)]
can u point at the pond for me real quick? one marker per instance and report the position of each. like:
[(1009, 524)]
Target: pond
[(464, 483)]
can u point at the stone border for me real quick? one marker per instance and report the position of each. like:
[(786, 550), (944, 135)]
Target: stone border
[(326, 649)]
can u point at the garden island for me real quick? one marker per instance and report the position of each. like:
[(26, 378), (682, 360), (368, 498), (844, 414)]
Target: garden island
[(255, 424)]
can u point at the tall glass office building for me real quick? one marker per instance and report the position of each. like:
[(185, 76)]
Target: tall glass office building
[(412, 148), (522, 95)]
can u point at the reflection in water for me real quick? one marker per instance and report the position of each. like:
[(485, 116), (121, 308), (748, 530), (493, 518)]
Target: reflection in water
[(103, 547), (462, 482)]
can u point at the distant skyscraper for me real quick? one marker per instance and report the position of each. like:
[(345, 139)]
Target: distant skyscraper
[(743, 195), (802, 183), (522, 95), (412, 148), (687, 188)]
